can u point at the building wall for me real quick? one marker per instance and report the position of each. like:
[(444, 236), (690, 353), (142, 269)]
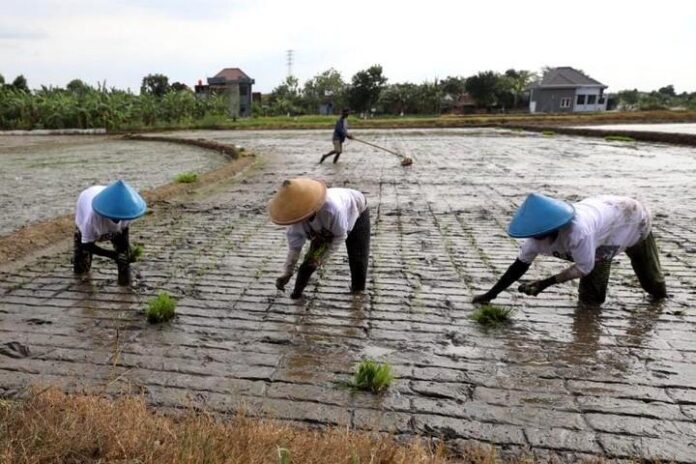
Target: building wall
[(552, 100), (589, 99)]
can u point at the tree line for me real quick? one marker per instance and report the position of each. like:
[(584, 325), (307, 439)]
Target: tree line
[(161, 104), (663, 98), (369, 91), (82, 106)]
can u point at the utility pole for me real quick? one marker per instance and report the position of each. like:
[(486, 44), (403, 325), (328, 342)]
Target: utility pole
[(289, 55)]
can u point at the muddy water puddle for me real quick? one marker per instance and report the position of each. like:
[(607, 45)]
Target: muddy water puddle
[(41, 177), (617, 382)]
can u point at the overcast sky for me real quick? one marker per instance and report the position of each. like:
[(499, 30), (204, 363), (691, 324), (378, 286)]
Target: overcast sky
[(623, 44)]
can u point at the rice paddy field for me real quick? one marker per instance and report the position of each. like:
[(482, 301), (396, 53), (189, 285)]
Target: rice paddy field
[(556, 380)]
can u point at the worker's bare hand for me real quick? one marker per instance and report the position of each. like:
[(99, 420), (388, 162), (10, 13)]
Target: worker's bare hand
[(350, 136), (532, 288), (282, 281)]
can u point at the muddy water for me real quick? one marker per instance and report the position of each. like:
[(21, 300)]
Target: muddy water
[(618, 382), (42, 176), (681, 128)]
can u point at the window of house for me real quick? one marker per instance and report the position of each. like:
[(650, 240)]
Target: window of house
[(243, 90), (591, 99), (565, 102), (581, 100), (601, 100)]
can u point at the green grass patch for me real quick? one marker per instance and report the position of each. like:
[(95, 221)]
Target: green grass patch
[(372, 376), (160, 308), (186, 178), (136, 252), (548, 133), (619, 138), (492, 316)]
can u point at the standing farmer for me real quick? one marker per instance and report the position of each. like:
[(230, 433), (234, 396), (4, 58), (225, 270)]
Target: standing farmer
[(340, 134), (589, 234), (104, 213), (326, 217)]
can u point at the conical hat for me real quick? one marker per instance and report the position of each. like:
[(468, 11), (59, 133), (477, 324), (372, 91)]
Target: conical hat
[(296, 200), (539, 215), (119, 201)]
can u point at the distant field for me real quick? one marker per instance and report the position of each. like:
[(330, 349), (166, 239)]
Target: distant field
[(438, 121)]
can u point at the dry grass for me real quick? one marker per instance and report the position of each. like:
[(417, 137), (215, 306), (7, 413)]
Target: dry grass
[(53, 427)]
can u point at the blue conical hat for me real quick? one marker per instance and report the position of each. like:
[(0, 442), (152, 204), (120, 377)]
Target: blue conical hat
[(119, 201), (539, 215)]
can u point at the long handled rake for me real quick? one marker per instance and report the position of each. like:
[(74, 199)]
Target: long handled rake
[(405, 160)]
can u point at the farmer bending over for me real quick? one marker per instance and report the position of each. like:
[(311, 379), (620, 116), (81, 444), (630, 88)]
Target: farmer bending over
[(589, 233), (340, 134), (104, 213), (326, 217)]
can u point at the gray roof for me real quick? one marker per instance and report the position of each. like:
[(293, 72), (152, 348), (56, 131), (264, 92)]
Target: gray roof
[(566, 76)]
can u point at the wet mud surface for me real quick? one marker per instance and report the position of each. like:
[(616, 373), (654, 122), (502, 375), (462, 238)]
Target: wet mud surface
[(42, 176), (682, 128), (618, 382)]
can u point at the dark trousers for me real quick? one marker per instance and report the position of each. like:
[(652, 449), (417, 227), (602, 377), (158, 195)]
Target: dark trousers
[(358, 246), (646, 264), (82, 257)]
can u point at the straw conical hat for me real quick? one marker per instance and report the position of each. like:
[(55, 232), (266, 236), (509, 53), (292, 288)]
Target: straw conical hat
[(540, 215), (119, 201), (296, 200)]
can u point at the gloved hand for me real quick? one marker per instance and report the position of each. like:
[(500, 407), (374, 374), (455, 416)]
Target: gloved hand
[(483, 298), (534, 288), (282, 281)]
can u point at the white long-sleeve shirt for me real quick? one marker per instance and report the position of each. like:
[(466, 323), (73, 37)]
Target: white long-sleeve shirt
[(92, 225), (333, 222), (602, 227)]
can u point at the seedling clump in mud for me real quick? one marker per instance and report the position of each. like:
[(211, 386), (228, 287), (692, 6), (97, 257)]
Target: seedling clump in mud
[(372, 376), (492, 316), (161, 308), (136, 252)]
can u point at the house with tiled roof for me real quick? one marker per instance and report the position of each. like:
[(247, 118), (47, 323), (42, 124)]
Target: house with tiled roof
[(232, 82), (567, 90)]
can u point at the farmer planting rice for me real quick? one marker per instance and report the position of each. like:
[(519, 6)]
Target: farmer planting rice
[(589, 233), (104, 213), (326, 217), (340, 134)]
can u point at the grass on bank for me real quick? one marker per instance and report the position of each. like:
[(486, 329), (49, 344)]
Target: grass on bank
[(161, 308), (186, 178), (411, 121), (619, 138), (52, 426), (492, 316), (372, 376)]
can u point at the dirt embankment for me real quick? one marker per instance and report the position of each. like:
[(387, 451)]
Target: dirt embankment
[(36, 237), (660, 137)]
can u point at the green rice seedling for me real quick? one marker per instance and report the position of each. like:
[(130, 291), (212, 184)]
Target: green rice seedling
[(372, 376), (548, 133), (186, 177), (161, 308), (619, 138), (136, 252), (283, 456), (492, 316)]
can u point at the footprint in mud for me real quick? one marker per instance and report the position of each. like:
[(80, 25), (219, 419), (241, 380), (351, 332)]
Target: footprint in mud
[(37, 321), (14, 350)]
